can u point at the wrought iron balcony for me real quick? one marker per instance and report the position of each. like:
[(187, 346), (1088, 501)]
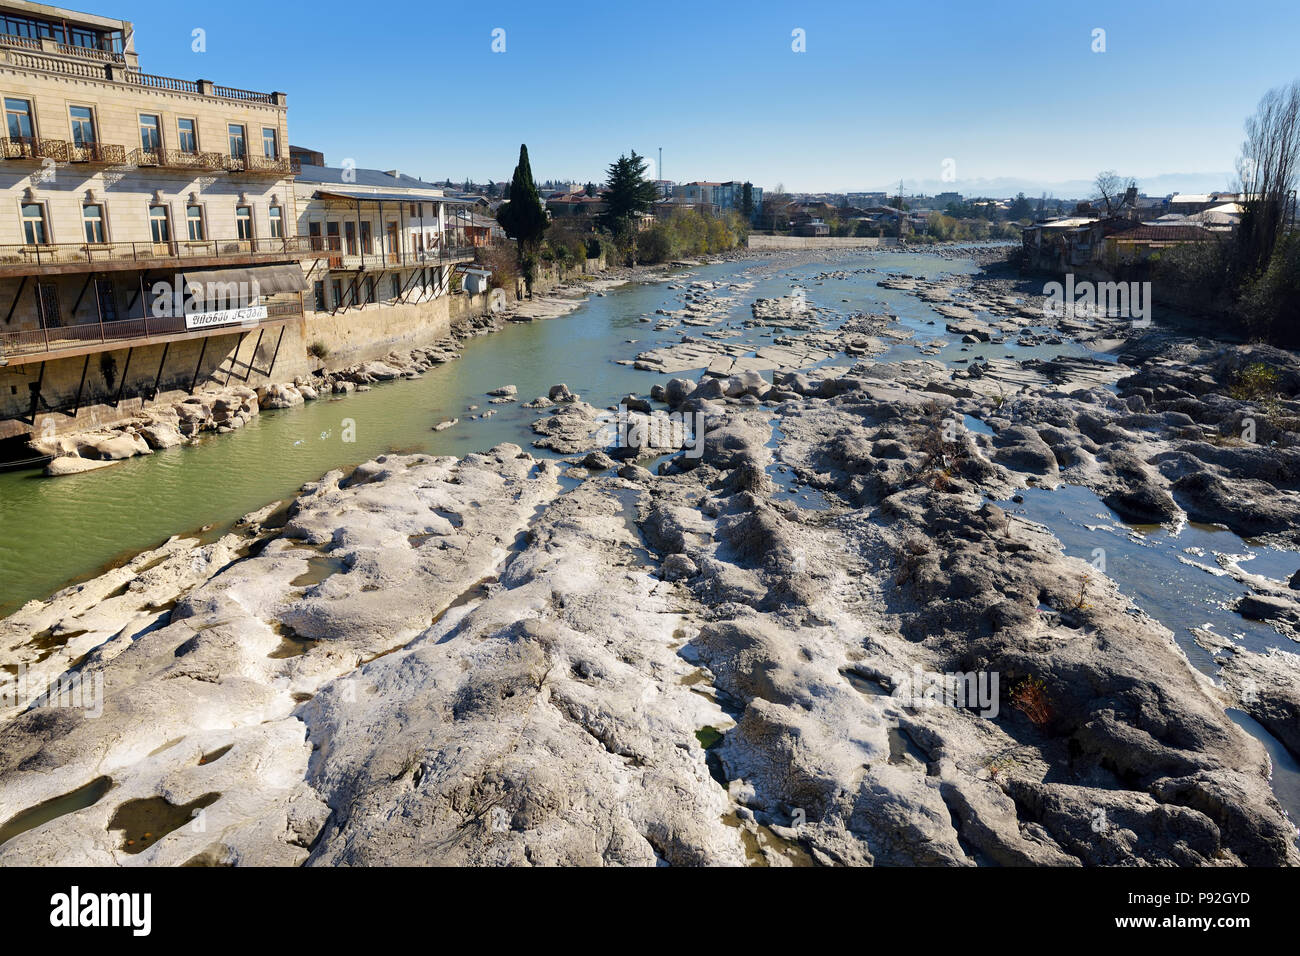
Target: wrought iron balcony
[(268, 165), (176, 159)]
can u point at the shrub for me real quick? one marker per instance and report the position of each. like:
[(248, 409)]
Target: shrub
[(1256, 382), (318, 350), (1030, 698)]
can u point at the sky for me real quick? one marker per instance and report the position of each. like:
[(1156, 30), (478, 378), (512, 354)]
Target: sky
[(1012, 93)]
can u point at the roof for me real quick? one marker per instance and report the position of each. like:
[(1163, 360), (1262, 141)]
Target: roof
[(353, 177), (353, 195), (1166, 234)]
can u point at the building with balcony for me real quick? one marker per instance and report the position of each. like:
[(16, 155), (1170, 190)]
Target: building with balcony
[(388, 240), (121, 188)]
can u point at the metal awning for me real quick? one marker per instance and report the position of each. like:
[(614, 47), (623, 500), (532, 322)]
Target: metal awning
[(350, 195), (270, 279)]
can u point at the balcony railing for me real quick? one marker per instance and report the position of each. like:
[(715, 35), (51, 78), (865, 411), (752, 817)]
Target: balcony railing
[(104, 252), (107, 154), (64, 49), (61, 338), (111, 68), (259, 164), (380, 260), (176, 159)]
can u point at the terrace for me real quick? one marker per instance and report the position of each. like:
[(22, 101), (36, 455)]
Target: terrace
[(69, 341), (73, 257)]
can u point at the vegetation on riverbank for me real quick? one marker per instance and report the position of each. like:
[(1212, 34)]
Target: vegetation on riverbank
[(1252, 275)]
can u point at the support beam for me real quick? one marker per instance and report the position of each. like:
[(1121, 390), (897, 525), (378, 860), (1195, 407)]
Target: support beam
[(36, 396), (17, 295), (121, 384), (202, 351), (253, 358), (271, 368), (234, 359), (81, 295), (76, 406), (157, 379)]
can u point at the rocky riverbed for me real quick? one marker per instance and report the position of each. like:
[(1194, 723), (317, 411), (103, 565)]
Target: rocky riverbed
[(502, 660)]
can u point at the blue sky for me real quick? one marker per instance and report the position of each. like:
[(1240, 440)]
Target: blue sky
[(1008, 90)]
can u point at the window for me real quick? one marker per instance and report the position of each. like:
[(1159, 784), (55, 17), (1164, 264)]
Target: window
[(194, 223), (188, 136), (18, 116), (336, 287), (237, 148), (244, 221), (107, 300), (159, 225), (92, 214), (366, 246), (34, 232), (83, 125), (270, 149), (277, 222), (150, 133), (370, 289), (350, 237), (397, 286), (318, 293), (313, 233), (332, 237)]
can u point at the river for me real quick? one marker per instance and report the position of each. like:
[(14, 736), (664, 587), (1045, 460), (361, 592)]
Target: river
[(58, 531)]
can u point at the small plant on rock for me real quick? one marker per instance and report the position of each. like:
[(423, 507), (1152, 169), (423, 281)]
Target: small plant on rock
[(1030, 698)]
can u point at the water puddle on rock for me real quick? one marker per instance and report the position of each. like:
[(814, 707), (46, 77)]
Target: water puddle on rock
[(43, 813), (320, 567), (761, 843), (1170, 573), (785, 482), (145, 821)]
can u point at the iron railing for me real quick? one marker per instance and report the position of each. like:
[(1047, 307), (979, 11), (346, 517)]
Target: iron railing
[(63, 337), (382, 260), (100, 252), (176, 159), (110, 68)]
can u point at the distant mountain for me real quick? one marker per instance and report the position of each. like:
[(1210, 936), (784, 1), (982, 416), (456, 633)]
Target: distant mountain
[(1007, 186)]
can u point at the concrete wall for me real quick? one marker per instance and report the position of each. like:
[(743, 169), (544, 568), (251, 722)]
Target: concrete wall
[(818, 242), (373, 331), (109, 371), (353, 336)]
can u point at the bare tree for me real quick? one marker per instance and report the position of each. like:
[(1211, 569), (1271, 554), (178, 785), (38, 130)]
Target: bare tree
[(1268, 169), (1109, 188)]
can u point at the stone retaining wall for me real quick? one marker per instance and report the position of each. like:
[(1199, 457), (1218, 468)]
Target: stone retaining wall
[(818, 242)]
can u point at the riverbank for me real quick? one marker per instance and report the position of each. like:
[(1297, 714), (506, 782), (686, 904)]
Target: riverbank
[(720, 663)]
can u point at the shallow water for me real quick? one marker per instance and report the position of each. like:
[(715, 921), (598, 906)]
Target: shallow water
[(1164, 572)]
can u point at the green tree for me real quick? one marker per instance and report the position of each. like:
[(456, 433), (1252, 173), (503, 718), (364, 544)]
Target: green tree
[(523, 217), (747, 201), (590, 189), (627, 194), (1020, 208)]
